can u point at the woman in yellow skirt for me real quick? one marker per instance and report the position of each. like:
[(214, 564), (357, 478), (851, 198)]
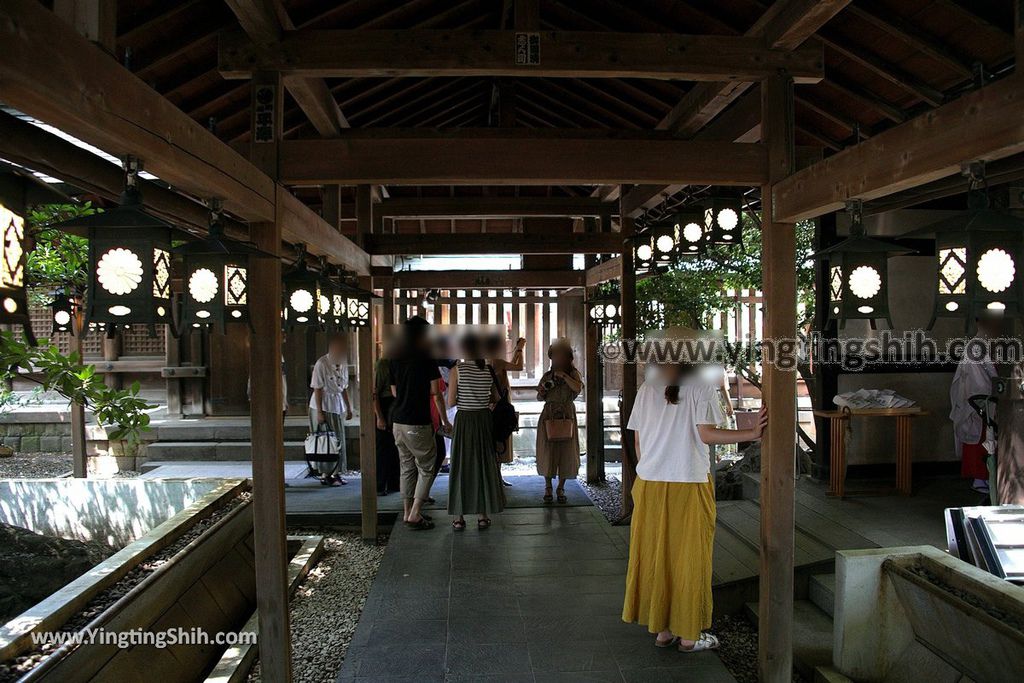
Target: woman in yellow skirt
[(668, 583)]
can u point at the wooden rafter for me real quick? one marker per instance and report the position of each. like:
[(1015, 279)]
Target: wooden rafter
[(113, 110), (929, 147), (264, 21), (425, 52), (786, 24), (516, 157), (497, 243), (493, 207)]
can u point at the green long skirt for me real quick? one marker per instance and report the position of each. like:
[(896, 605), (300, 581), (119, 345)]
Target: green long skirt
[(474, 486)]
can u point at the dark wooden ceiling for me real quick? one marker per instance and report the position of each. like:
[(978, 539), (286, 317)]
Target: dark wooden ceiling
[(885, 61)]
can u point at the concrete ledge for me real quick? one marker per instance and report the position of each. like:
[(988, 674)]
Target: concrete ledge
[(51, 613)]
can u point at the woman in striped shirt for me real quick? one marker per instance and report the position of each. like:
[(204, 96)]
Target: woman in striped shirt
[(475, 482)]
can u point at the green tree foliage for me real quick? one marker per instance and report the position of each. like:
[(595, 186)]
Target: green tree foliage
[(79, 383), (58, 260), (694, 291)]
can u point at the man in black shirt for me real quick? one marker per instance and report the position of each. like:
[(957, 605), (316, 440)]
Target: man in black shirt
[(415, 382)]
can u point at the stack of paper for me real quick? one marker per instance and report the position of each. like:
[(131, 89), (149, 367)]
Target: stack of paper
[(872, 398)]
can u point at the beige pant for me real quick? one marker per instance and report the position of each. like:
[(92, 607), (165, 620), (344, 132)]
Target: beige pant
[(416, 452)]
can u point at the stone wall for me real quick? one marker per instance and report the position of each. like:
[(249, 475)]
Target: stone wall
[(36, 437)]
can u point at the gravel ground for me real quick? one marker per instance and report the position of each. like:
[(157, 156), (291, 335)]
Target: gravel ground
[(606, 496), (739, 647), (14, 669), (46, 466), (326, 607), (35, 465)]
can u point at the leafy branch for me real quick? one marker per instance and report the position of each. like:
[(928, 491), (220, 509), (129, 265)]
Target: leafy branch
[(122, 408)]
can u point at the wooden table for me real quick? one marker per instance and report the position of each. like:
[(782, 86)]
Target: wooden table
[(839, 419)]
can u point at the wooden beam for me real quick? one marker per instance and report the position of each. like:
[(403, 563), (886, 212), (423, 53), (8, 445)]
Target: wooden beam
[(480, 279), (34, 148), (643, 197), (494, 207), (575, 54), (264, 21), (516, 157), (785, 24), (985, 124), (775, 604), (496, 243), (267, 416), (112, 109), (610, 269)]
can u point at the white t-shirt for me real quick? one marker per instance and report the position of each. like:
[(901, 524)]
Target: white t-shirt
[(670, 445), (332, 377)]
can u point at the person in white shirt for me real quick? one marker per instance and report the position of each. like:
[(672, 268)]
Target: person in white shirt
[(668, 582), (329, 406)]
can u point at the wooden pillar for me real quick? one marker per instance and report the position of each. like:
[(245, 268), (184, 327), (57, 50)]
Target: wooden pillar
[(628, 293), (367, 433), (595, 406), (826, 376), (332, 205), (97, 21), (266, 406), (775, 606), (79, 456), (364, 213)]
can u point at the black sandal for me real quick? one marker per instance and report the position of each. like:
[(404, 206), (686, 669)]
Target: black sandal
[(459, 525), (548, 498), (422, 525), (561, 496), (482, 524)]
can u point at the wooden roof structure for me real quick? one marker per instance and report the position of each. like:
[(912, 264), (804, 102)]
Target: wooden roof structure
[(367, 129)]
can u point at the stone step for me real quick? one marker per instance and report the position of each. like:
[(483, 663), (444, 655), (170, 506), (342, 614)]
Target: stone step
[(200, 430), (822, 592), (213, 450), (812, 637)]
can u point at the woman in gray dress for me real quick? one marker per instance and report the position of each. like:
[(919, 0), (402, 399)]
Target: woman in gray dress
[(558, 388), (474, 486)]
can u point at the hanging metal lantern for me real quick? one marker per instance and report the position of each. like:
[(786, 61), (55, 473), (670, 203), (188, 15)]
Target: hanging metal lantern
[(692, 232), (129, 261), (978, 256), (302, 304), (13, 299), (858, 278), (604, 310), (63, 309), (358, 305), (216, 289), (723, 220), (643, 252)]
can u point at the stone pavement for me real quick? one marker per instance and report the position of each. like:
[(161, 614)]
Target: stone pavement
[(535, 598)]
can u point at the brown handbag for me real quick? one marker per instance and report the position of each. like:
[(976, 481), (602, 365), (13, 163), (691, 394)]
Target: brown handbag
[(559, 428)]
